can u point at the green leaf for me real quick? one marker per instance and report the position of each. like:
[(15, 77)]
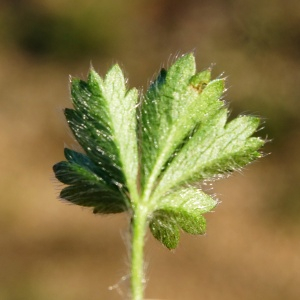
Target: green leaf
[(183, 208), (161, 108), (149, 163), (165, 225), (187, 199), (79, 168), (90, 195), (164, 228), (122, 108), (175, 104), (191, 223), (104, 123), (213, 150), (87, 184)]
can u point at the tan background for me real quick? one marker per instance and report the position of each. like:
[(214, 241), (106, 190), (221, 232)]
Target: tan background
[(52, 250)]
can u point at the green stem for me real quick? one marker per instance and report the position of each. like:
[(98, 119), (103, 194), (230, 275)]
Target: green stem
[(139, 225)]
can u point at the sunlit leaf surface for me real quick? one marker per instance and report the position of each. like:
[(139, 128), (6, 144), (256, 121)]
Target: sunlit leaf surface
[(150, 150)]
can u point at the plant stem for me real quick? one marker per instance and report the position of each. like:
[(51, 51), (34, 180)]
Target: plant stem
[(139, 222)]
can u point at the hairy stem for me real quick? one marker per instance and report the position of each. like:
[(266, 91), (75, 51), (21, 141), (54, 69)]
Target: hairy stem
[(139, 222)]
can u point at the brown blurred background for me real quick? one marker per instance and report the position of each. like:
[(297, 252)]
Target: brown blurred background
[(52, 250)]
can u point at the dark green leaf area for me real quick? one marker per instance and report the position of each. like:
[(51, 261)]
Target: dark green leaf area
[(165, 225), (96, 143), (93, 195), (87, 184), (79, 158), (69, 173), (81, 94), (85, 162), (191, 222), (155, 86), (182, 208), (88, 98), (165, 229), (91, 120)]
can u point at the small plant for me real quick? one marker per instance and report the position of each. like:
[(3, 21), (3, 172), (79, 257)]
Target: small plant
[(145, 154)]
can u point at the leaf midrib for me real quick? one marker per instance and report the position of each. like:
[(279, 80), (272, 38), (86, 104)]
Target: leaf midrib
[(160, 161)]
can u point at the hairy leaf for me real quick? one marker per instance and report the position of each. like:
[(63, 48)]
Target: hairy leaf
[(87, 184), (149, 162), (165, 229), (183, 208), (173, 106), (104, 123), (214, 149)]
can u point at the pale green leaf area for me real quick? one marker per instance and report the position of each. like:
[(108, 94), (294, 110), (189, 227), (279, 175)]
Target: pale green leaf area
[(149, 158)]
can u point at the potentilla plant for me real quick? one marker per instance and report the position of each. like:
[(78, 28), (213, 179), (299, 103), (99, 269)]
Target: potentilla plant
[(146, 154)]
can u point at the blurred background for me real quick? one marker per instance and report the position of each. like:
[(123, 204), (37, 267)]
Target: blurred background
[(52, 250)]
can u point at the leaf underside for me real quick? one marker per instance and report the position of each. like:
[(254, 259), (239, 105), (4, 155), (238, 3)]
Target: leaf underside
[(153, 155)]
